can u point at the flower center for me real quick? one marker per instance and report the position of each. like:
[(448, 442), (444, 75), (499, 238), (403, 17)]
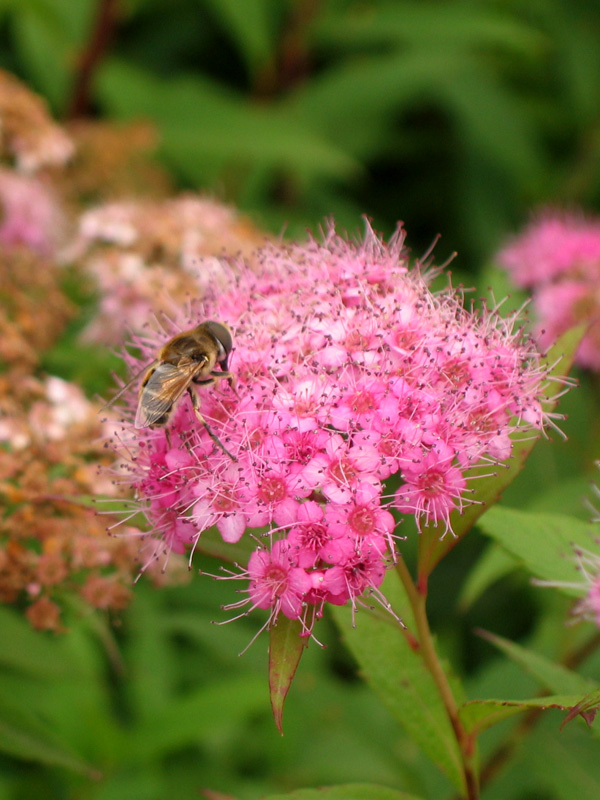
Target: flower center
[(272, 490), (362, 402), (362, 520), (432, 482), (342, 471)]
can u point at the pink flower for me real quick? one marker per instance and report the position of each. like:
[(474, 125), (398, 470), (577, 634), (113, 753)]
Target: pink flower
[(433, 487), (348, 373), (276, 583), (31, 216), (558, 256)]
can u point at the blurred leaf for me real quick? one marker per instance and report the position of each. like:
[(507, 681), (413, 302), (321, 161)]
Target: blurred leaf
[(550, 675), (24, 736), (543, 543), (197, 716), (206, 127), (349, 791), (24, 650), (251, 25), (49, 34), (563, 765), (434, 542), (409, 22), (479, 715), (398, 676), (286, 646), (492, 565)]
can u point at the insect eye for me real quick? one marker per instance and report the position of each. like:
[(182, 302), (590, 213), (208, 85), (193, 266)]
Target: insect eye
[(222, 335)]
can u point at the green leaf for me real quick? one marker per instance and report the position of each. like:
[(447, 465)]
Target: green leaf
[(286, 645), (348, 791), (434, 543), (551, 676), (24, 736), (544, 543), (410, 24), (479, 715), (251, 25), (27, 651), (206, 127), (493, 564), (398, 676), (196, 717)]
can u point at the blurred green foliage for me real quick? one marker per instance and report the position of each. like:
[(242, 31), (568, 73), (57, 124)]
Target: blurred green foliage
[(456, 117)]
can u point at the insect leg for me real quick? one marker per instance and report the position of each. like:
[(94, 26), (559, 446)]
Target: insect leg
[(212, 435)]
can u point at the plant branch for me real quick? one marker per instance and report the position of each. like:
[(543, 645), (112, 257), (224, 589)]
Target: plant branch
[(418, 601), (100, 38)]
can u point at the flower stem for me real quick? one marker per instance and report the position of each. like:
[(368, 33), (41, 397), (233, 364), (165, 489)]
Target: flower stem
[(418, 601)]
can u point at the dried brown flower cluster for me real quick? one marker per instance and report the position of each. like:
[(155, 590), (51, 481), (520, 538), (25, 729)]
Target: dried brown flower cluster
[(111, 161), (33, 309), (52, 543), (28, 135)]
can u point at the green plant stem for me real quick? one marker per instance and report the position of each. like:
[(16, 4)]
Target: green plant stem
[(418, 602)]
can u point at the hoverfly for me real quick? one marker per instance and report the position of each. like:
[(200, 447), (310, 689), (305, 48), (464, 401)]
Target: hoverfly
[(190, 357)]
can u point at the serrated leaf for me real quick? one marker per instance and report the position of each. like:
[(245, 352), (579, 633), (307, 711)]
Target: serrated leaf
[(398, 676), (552, 676), (347, 791), (479, 715), (432, 547), (587, 709), (543, 543), (286, 646)]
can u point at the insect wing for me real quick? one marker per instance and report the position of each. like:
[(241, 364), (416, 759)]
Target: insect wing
[(161, 391)]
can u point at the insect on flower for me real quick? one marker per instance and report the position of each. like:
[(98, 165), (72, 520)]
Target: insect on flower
[(186, 359)]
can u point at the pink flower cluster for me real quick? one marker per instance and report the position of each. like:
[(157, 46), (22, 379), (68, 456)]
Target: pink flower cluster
[(360, 396), (558, 257)]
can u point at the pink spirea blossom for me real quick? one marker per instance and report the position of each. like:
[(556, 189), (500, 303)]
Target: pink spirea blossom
[(359, 396), (558, 257)]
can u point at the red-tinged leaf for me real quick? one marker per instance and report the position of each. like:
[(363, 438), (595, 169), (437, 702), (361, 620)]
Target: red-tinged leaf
[(479, 715), (285, 651), (432, 547), (587, 709)]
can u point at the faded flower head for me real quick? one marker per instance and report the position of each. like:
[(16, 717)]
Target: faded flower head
[(27, 132), (143, 254), (360, 396), (558, 257), (52, 543)]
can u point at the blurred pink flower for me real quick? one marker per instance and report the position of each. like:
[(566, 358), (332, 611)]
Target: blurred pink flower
[(558, 257), (29, 214)]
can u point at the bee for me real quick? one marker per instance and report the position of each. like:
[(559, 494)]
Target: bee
[(189, 358)]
